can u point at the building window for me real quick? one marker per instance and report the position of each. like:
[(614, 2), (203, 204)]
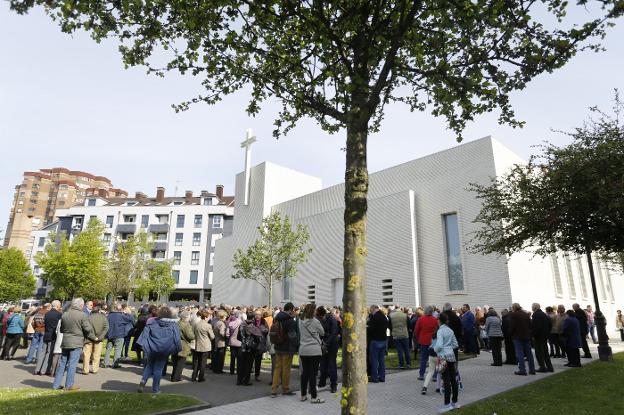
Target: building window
[(106, 238), (556, 275), (126, 236), (177, 203), (579, 266), (41, 241), (599, 275), (176, 275), (180, 221), (177, 257), (387, 292), (109, 221), (193, 279), (195, 258), (211, 263), (92, 218), (164, 219), (208, 201), (158, 254), (311, 293), (570, 275), (91, 202), (179, 239), (609, 285), (196, 239), (453, 253), (161, 236), (197, 221), (129, 218), (217, 222), (144, 221), (35, 186)]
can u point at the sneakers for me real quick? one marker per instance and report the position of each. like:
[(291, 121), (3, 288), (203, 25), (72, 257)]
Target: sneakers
[(519, 373), (423, 391), (445, 408), (141, 386), (274, 395), (456, 405), (317, 400), (304, 398), (289, 393)]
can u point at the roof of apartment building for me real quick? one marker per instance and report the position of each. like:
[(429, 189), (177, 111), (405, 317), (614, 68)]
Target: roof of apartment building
[(140, 199)]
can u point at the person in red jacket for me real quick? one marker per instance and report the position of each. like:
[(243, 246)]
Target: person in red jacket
[(425, 327)]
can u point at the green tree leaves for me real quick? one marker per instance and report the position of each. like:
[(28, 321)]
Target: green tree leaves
[(275, 255), (566, 199), (16, 279), (76, 268)]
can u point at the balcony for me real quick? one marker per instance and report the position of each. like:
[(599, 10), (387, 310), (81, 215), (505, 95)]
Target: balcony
[(158, 228), (160, 246), (126, 228)]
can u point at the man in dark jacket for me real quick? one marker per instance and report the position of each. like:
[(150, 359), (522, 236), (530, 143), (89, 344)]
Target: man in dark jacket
[(455, 324), (541, 327), (328, 361), (468, 328), (581, 316), (520, 331), (44, 355), (119, 325), (285, 322), (510, 351), (378, 328)]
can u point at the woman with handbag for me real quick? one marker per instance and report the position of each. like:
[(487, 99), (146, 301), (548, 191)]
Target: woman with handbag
[(447, 366), (310, 352)]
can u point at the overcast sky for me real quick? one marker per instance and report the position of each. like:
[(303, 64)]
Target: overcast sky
[(66, 101)]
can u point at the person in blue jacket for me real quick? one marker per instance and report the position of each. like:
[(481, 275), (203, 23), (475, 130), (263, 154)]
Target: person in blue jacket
[(571, 332), (159, 339), (14, 332), (119, 325)]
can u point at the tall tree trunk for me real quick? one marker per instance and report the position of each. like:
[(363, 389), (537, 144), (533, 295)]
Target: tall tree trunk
[(270, 292), (354, 392)]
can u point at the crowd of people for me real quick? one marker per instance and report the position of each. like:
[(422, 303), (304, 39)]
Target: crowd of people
[(59, 338)]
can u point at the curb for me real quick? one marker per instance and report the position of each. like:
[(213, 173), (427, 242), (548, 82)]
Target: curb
[(185, 410)]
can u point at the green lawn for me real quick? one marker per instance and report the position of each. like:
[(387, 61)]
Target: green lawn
[(50, 402), (596, 388)]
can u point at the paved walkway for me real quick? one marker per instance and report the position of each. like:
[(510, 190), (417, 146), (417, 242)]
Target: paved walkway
[(400, 394)]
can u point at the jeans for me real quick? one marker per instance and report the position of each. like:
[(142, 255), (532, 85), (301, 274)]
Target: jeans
[(309, 370), (118, 345), (68, 363), (234, 355), (154, 365), (523, 348), (591, 327), (424, 356), (44, 358), (328, 367), (35, 345), (402, 348), (378, 360)]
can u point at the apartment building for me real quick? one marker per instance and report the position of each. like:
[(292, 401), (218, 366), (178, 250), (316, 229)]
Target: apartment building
[(183, 229), (41, 193)]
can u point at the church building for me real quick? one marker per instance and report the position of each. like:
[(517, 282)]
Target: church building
[(420, 224)]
